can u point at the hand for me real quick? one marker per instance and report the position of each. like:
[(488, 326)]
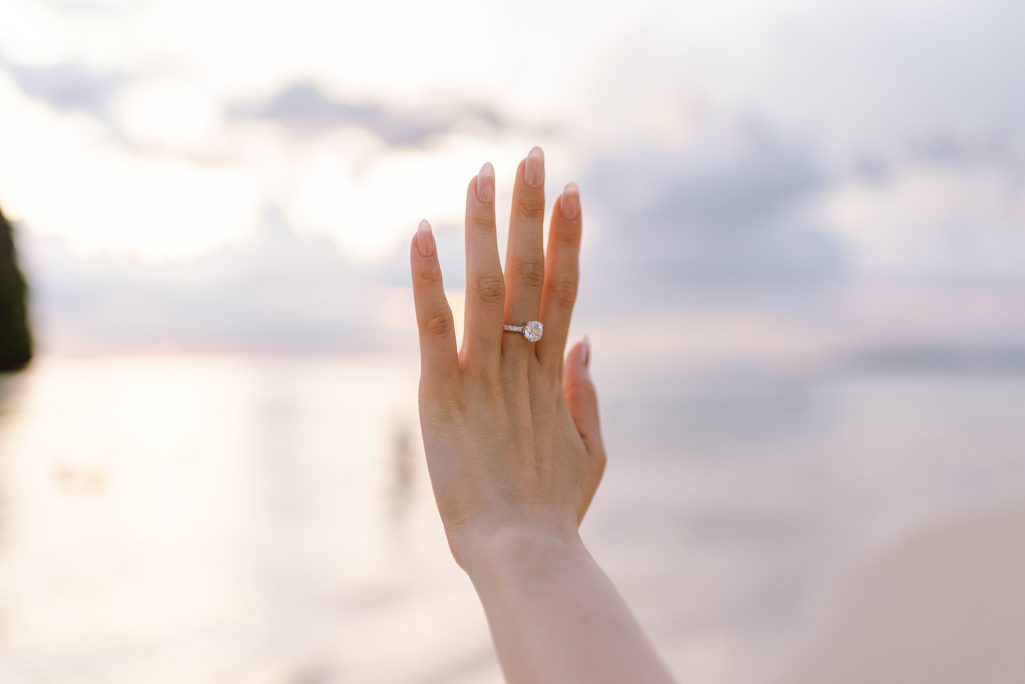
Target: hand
[(511, 432), (513, 443)]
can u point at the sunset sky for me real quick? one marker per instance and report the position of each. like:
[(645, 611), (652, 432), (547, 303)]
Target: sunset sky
[(778, 176)]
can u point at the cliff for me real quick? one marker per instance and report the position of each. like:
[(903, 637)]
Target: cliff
[(15, 335)]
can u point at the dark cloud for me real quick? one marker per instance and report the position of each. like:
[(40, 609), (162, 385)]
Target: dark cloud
[(723, 219), (67, 86), (304, 108), (994, 149), (1002, 150), (301, 108)]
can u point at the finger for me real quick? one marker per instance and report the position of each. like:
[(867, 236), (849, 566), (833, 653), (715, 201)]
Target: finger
[(562, 275), (525, 257), (485, 287), (439, 364), (582, 399)]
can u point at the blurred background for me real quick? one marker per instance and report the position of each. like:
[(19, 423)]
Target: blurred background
[(803, 279)]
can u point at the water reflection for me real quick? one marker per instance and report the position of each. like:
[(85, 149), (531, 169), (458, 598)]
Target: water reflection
[(234, 519), (12, 386), (402, 455), (5, 380), (9, 385)]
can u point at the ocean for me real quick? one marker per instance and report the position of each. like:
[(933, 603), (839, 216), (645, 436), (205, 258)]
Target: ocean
[(259, 518)]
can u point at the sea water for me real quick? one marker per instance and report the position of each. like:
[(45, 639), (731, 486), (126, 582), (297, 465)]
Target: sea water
[(248, 518)]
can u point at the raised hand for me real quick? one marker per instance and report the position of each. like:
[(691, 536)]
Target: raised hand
[(511, 431), (513, 444)]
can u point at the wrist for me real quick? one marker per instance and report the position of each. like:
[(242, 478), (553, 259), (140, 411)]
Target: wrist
[(517, 550)]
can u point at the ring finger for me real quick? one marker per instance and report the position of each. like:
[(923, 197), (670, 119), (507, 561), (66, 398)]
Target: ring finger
[(525, 259)]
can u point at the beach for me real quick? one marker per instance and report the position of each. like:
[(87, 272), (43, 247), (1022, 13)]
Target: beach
[(267, 518), (946, 604)]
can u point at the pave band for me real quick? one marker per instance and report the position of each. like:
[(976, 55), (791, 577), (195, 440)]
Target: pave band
[(532, 330)]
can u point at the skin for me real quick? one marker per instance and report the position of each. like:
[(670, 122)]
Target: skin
[(513, 441)]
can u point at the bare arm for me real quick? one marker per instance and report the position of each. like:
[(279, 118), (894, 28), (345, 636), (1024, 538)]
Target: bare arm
[(556, 617), (513, 441)]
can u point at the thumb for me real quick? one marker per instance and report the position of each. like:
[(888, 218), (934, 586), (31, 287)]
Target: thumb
[(582, 398)]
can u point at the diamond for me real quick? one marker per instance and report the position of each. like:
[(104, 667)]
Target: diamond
[(533, 330)]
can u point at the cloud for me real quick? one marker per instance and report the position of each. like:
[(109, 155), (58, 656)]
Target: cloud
[(278, 291), (938, 210), (722, 218), (68, 86), (879, 155), (299, 108), (303, 107)]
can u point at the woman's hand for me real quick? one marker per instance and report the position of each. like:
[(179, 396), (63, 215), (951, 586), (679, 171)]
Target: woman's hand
[(511, 432), (513, 445)]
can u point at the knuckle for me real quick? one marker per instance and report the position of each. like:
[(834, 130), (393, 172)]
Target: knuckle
[(437, 400), (429, 276), (437, 324), (482, 223), (583, 392), (489, 381), (531, 206), (490, 288), (531, 272), (552, 373), (569, 233), (565, 291)]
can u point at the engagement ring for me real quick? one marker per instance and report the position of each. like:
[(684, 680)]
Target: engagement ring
[(532, 330)]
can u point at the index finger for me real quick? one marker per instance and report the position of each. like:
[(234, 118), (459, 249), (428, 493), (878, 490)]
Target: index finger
[(438, 361)]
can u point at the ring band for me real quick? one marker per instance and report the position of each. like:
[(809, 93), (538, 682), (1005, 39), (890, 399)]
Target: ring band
[(532, 330)]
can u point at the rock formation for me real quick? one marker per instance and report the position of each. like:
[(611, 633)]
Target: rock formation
[(15, 335)]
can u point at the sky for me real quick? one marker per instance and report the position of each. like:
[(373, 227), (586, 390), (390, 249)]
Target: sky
[(775, 179)]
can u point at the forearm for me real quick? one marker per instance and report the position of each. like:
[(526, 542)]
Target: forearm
[(556, 617)]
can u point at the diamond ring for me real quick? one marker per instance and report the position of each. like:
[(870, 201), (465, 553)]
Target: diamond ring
[(532, 330)]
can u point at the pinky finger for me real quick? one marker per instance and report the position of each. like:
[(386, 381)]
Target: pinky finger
[(439, 364)]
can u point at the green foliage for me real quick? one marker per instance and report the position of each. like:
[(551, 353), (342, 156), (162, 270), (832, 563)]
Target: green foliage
[(15, 335)]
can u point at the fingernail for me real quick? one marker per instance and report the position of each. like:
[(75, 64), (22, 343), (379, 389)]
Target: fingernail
[(570, 203), (486, 183), (534, 169), (425, 239), (585, 352)]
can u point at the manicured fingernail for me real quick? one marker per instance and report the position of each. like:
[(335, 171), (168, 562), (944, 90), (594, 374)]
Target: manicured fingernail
[(534, 169), (570, 203), (585, 352), (486, 183), (425, 239)]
